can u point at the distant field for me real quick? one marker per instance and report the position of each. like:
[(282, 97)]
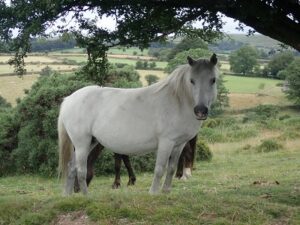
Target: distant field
[(78, 59), (128, 51), (247, 92), (36, 68), (225, 67), (30, 59), (144, 73), (12, 87), (251, 85), (159, 64)]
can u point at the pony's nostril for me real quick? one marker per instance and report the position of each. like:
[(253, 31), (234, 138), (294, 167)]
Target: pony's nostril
[(201, 109)]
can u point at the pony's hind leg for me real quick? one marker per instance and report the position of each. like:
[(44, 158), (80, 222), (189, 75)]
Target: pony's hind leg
[(118, 162), (70, 176), (81, 156), (128, 166)]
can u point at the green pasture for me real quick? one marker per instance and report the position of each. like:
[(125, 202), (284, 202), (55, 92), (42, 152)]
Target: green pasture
[(251, 85), (235, 188), (239, 186)]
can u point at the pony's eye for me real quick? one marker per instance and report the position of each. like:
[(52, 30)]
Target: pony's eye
[(213, 80), (192, 81)]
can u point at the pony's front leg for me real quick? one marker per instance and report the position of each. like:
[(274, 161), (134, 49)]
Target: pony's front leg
[(173, 161), (164, 151)]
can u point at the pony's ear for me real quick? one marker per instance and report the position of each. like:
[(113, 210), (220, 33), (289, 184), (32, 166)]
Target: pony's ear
[(213, 59), (190, 60)]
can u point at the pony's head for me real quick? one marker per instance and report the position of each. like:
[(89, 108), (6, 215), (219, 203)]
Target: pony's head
[(202, 81)]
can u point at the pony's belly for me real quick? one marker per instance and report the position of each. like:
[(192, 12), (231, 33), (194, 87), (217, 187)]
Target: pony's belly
[(129, 146)]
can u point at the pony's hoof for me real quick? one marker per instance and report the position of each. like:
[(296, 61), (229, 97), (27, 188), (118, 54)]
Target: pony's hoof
[(184, 178), (131, 181), (116, 185), (153, 192), (166, 190)]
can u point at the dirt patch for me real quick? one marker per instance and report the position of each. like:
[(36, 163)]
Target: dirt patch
[(73, 218), (244, 101)]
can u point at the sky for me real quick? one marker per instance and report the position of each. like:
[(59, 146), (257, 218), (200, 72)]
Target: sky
[(110, 24), (229, 27)]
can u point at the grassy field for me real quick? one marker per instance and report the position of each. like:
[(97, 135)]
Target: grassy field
[(12, 87), (239, 186), (252, 85), (30, 68), (128, 51)]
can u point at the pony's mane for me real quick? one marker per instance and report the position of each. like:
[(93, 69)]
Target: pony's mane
[(176, 82)]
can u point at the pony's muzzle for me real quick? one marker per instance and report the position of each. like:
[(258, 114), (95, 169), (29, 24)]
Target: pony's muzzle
[(201, 112)]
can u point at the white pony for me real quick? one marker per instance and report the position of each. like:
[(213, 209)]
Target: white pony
[(161, 117)]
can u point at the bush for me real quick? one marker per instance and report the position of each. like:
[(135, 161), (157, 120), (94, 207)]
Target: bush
[(269, 145), (125, 77), (28, 132), (120, 65), (8, 140), (152, 65), (139, 65), (211, 123), (262, 113), (4, 103), (203, 152), (151, 79), (46, 71), (36, 151), (285, 116)]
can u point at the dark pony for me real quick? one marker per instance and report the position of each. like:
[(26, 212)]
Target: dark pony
[(186, 161)]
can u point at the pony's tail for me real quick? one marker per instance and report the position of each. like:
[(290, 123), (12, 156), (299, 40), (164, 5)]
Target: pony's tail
[(65, 149)]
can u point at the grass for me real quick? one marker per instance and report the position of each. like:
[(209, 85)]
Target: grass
[(231, 189), (128, 51), (251, 85), (239, 186)]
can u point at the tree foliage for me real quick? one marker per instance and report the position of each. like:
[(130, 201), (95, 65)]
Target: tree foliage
[(279, 62), (180, 58), (243, 60), (292, 76), (186, 44), (140, 22)]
